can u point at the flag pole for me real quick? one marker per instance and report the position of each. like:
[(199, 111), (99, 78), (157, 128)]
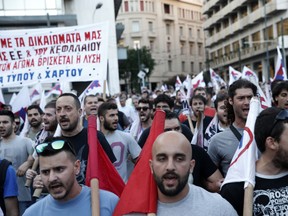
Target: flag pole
[(248, 200), (94, 182), (34, 167), (104, 90)]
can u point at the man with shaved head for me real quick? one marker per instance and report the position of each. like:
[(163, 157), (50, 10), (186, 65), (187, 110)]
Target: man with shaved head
[(171, 165)]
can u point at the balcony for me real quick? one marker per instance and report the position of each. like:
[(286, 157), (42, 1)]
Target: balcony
[(209, 5), (152, 35), (168, 17), (135, 34), (276, 5)]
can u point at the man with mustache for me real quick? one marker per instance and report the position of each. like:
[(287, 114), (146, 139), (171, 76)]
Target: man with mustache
[(123, 144), (90, 108), (34, 115), (59, 167), (171, 165)]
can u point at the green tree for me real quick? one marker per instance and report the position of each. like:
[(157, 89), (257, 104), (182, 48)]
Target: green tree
[(129, 69)]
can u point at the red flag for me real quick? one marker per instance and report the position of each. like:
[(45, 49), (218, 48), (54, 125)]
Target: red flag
[(99, 166), (140, 193)]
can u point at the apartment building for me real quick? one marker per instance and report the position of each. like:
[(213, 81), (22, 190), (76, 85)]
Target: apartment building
[(245, 32), (171, 29)]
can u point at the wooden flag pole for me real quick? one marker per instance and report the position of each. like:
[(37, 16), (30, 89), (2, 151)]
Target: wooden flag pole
[(190, 123), (34, 167), (248, 200), (95, 200)]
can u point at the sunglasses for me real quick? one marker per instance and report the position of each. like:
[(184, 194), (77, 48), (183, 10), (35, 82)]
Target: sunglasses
[(54, 145), (142, 108), (283, 115)]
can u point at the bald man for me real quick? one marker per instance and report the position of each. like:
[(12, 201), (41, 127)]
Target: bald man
[(171, 165)]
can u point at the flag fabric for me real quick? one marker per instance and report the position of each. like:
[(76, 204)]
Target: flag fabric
[(55, 90), (211, 130), (164, 88), (99, 165), (198, 132), (268, 93), (187, 84), (198, 81), (178, 83), (242, 166), (250, 75), (280, 72), (21, 102), (217, 81), (140, 193), (35, 92), (93, 88), (233, 75), (2, 101)]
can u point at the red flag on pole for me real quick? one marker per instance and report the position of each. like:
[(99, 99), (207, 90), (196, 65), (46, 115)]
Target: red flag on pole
[(99, 165), (140, 193)]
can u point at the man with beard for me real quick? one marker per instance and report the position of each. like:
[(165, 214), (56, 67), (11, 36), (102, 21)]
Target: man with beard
[(171, 166), (122, 143), (144, 109), (280, 94), (271, 181), (90, 108), (59, 167), (34, 114), (68, 113), (18, 151), (223, 145)]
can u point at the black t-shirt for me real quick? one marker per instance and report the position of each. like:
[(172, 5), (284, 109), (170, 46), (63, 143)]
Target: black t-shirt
[(206, 122), (80, 143), (204, 166), (270, 196)]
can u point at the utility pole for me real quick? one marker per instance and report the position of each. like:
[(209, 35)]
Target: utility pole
[(283, 46), (266, 39)]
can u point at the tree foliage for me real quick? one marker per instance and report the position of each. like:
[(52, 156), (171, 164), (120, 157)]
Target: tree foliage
[(129, 69)]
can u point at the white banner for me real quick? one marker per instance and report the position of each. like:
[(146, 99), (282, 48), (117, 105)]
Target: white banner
[(77, 53)]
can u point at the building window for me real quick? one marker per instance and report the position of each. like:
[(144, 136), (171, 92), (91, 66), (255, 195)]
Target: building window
[(126, 6), (136, 44), (167, 9), (169, 65), (269, 33), (192, 66), (150, 25), (198, 33), (190, 32), (141, 5), (168, 30), (151, 42), (200, 47), (234, 17), (285, 27), (254, 5), (200, 66), (181, 31), (168, 47), (191, 49), (183, 66), (135, 26), (182, 47)]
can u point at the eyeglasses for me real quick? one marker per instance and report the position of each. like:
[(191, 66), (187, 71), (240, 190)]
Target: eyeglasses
[(283, 115), (172, 129), (142, 108), (54, 145)]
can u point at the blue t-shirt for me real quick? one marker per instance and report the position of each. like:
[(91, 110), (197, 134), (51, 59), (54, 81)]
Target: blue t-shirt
[(80, 205), (10, 184)]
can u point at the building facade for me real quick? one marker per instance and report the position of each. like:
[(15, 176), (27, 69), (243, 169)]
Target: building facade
[(171, 29), (245, 33)]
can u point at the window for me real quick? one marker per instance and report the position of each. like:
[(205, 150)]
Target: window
[(245, 42), (126, 6), (135, 26), (181, 31), (136, 44), (182, 47), (168, 29), (234, 18), (151, 42), (150, 25), (200, 66), (225, 23), (190, 32), (191, 49), (254, 5), (198, 33), (169, 65), (166, 8), (141, 5), (227, 49), (168, 47), (192, 66), (183, 66), (269, 33), (200, 47), (285, 27)]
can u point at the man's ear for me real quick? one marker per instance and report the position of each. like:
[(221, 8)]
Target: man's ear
[(270, 143), (151, 165), (230, 101), (101, 118), (77, 166), (192, 165)]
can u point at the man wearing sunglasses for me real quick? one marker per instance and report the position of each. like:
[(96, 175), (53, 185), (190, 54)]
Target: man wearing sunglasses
[(144, 120), (271, 180), (18, 151), (59, 167)]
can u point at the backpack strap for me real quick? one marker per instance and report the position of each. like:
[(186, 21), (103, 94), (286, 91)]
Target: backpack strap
[(3, 170), (235, 132)]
